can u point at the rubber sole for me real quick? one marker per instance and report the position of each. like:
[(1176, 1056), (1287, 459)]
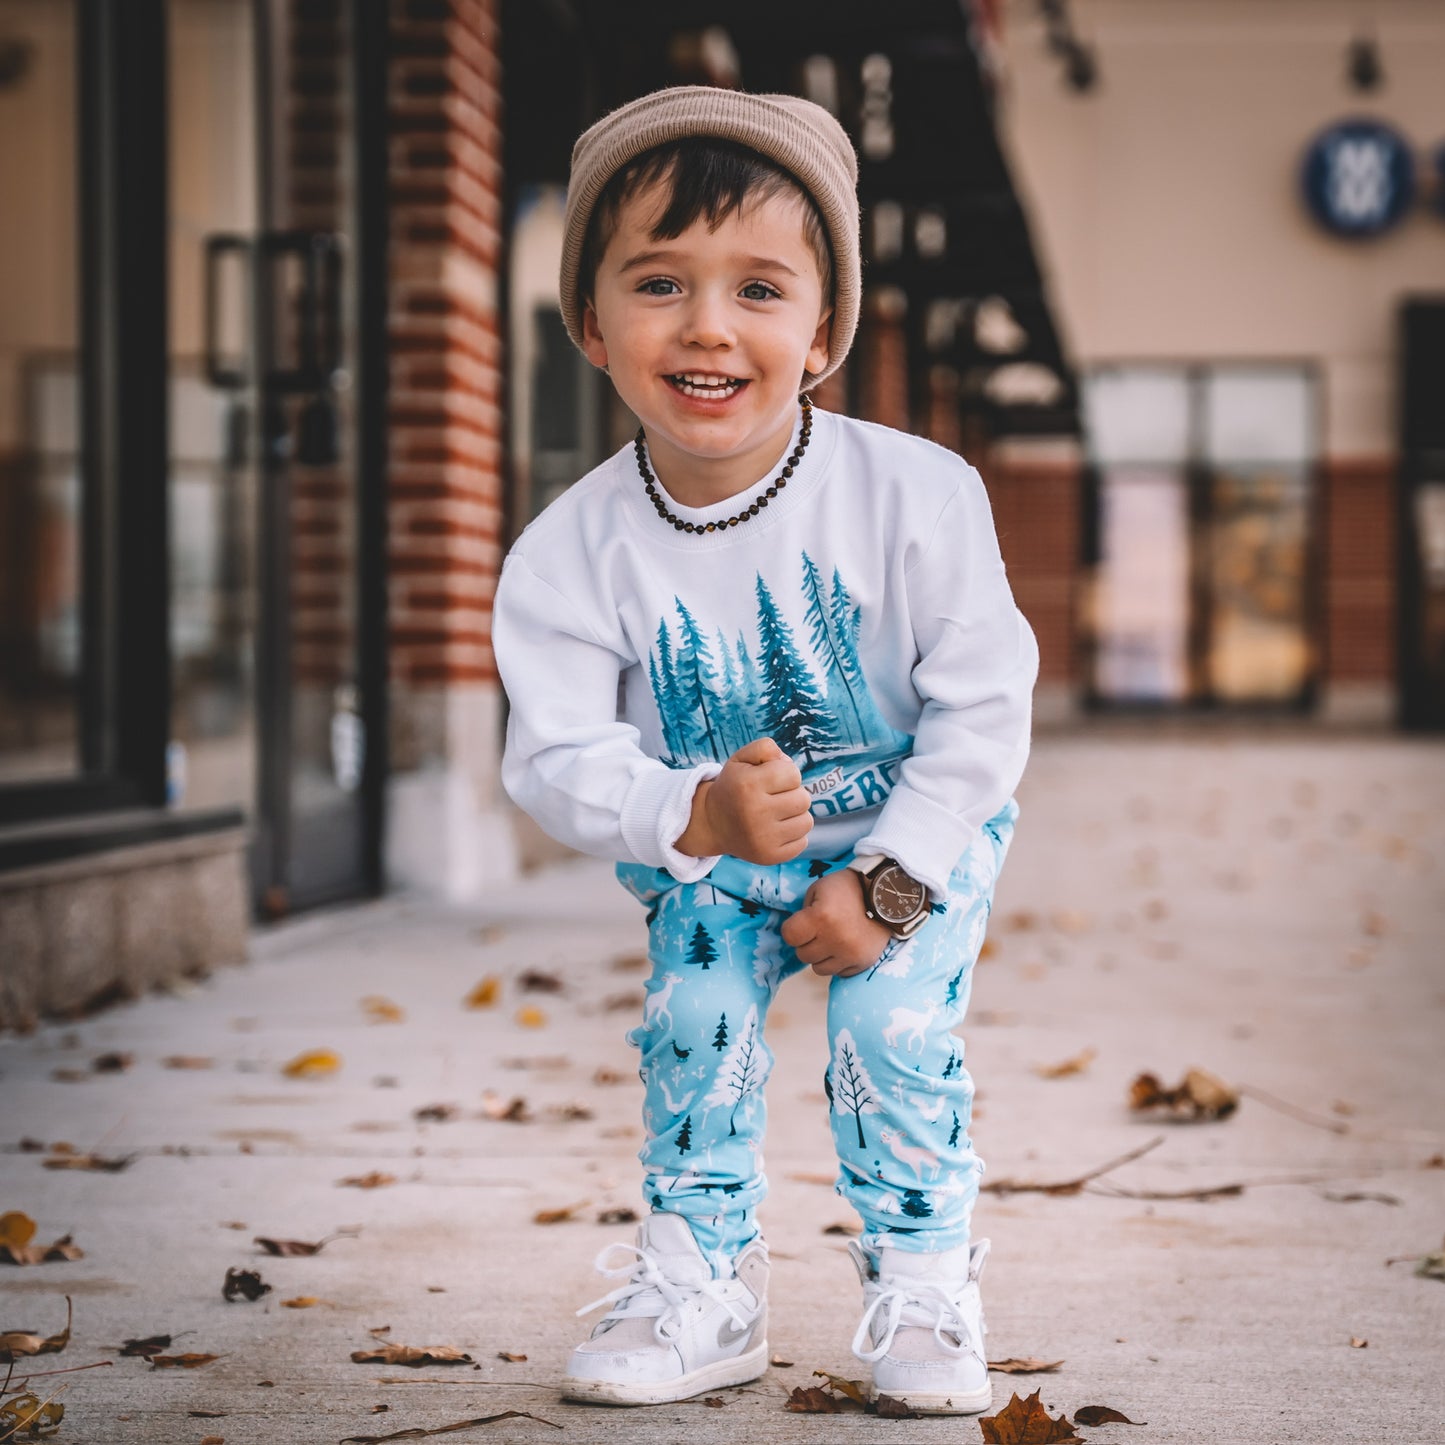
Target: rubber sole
[(959, 1402), (717, 1376)]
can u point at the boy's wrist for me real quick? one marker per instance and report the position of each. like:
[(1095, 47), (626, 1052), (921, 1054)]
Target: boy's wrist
[(697, 839)]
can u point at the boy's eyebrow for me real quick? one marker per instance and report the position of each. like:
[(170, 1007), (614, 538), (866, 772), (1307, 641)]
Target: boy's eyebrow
[(748, 263)]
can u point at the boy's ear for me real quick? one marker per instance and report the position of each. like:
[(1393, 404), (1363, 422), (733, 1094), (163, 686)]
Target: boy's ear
[(819, 350), (594, 348)]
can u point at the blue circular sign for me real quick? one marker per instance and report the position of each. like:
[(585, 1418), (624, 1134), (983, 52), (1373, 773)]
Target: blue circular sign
[(1359, 178)]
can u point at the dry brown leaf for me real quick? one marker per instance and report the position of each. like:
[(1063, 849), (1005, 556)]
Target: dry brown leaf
[(181, 1362), (559, 1216), (61, 1250), (511, 1358), (512, 1111), (485, 994), (1199, 1095), (313, 1064), (1024, 1367), (810, 1400), (413, 1355), (535, 981), (92, 1162), (531, 1017), (381, 1010), (1075, 1065), (299, 1248), (187, 1061), (1026, 1422), (28, 1412), (145, 1348), (245, 1284), (1356, 1343), (887, 1408), (779, 1363), (1103, 1415), (113, 1063), (714, 1402), (621, 1214), (853, 1389), (435, 1113), (375, 1180), (17, 1343), (302, 1302)]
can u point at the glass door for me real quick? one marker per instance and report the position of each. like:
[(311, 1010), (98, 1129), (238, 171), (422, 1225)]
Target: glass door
[(267, 700)]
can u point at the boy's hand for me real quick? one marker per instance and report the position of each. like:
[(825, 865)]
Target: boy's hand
[(831, 933), (756, 809)]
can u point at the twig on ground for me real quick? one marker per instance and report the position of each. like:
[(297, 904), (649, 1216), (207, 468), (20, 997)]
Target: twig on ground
[(1306, 1116), (1068, 1186)]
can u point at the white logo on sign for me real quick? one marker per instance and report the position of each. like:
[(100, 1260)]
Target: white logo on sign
[(1359, 179)]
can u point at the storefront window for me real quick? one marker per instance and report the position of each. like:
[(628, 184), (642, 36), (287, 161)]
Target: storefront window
[(40, 477)]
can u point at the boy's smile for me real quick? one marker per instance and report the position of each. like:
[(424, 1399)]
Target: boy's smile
[(706, 337)]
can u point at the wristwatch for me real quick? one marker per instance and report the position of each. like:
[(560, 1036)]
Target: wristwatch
[(892, 896)]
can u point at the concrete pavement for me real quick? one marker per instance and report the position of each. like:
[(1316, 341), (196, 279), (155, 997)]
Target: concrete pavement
[(1268, 908)]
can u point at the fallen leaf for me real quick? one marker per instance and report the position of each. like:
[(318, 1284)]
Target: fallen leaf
[(531, 1017), (1432, 1266), (181, 1362), (37, 1418), (93, 1162), (435, 1113), (510, 1358), (246, 1284), (301, 1302), (1356, 1343), (150, 1345), (114, 1063), (1103, 1415), (1024, 1367), (1026, 1422), (887, 1408), (1075, 1065), (16, 1228), (810, 1400), (559, 1216), (62, 1249), (379, 1010), (214, 1440), (313, 1064), (17, 1343), (413, 1355), (513, 1111), (619, 1215), (1199, 1095), (187, 1061), (375, 1180), (779, 1363), (1361, 1197), (485, 994), (296, 1248), (853, 1389), (535, 981), (714, 1402), (417, 1433)]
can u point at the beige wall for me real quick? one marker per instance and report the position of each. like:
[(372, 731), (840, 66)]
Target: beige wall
[(1165, 203)]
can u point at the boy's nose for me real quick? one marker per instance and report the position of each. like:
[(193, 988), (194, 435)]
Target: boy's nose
[(707, 323)]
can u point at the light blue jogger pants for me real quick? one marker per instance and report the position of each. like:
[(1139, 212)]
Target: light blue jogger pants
[(899, 1096)]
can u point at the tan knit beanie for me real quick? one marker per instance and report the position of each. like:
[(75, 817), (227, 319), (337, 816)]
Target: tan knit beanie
[(791, 132)]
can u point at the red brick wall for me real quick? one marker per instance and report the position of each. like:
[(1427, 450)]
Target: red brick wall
[(1358, 564), (445, 507)]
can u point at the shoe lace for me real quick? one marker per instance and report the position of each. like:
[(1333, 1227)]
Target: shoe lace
[(891, 1301), (649, 1290)]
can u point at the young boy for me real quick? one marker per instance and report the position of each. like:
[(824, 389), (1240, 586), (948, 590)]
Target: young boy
[(767, 659)]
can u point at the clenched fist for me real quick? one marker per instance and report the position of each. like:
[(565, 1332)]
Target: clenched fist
[(756, 809), (831, 933)]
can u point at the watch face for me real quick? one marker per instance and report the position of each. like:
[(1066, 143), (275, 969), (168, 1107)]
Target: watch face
[(897, 897)]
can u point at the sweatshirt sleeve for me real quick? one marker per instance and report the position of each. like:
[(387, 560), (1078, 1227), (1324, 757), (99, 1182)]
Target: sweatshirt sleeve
[(977, 662), (569, 760)]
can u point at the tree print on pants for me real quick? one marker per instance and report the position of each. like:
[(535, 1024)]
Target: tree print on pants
[(741, 1071), (852, 1089)]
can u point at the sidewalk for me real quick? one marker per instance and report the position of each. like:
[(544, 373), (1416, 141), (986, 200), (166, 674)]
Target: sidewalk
[(1271, 910)]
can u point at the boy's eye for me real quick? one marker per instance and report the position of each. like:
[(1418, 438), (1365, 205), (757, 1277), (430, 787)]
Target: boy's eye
[(658, 286), (758, 291)]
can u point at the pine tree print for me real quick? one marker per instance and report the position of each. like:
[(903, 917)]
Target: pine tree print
[(741, 1071), (853, 1091), (953, 1135), (747, 684), (830, 648), (699, 949), (793, 713), (697, 685), (951, 1067), (664, 691), (915, 1206), (684, 1136), (720, 1038)]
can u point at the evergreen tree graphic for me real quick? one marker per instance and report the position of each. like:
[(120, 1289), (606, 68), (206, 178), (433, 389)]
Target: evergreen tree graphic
[(700, 949), (749, 907), (852, 1088), (915, 1206), (953, 1136), (951, 1067), (792, 710), (747, 687), (720, 1038), (664, 691), (832, 648), (741, 1071), (697, 684), (684, 1136)]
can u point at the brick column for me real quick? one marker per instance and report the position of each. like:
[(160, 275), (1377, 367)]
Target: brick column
[(447, 828)]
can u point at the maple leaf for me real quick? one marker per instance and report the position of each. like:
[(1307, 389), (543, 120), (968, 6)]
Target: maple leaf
[(1026, 1422), (16, 1343), (413, 1355)]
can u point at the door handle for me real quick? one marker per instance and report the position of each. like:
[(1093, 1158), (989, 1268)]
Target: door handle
[(317, 316), (226, 373)]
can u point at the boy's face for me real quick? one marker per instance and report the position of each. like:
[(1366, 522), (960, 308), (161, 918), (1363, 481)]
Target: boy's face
[(738, 310)]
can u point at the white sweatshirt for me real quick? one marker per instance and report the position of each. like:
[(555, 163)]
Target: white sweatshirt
[(863, 621)]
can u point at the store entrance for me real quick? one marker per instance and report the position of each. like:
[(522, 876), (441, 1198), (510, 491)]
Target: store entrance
[(267, 666)]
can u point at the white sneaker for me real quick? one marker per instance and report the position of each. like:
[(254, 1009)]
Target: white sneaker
[(922, 1328), (673, 1330)]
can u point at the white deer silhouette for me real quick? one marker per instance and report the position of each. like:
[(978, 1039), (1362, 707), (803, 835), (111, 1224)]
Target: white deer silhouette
[(656, 1005), (908, 1154), (911, 1022)]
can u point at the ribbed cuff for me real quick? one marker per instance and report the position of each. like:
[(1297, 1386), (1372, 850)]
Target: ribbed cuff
[(656, 812), (926, 839)]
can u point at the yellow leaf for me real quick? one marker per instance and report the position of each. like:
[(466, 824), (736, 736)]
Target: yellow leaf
[(485, 994), (313, 1064), (381, 1010), (531, 1017), (16, 1228)]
